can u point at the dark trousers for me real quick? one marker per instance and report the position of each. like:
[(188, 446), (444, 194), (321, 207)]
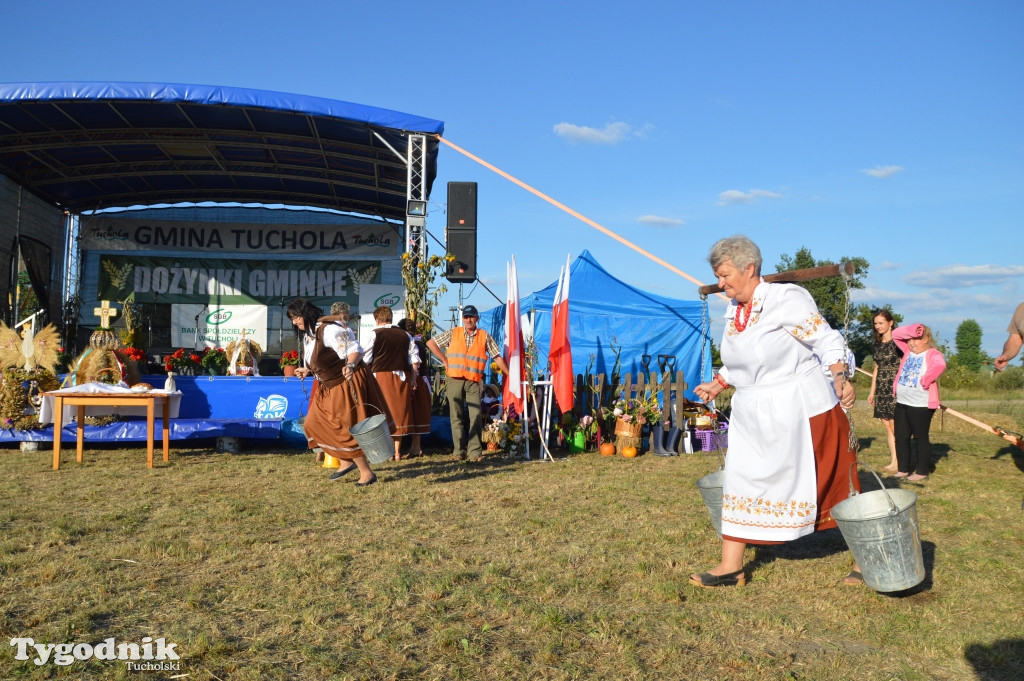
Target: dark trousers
[(913, 422), (465, 395)]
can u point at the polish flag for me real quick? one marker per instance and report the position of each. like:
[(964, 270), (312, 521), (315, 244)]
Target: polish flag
[(512, 392), (560, 355)]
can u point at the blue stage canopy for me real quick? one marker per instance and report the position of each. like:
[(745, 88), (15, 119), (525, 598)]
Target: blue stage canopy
[(88, 146)]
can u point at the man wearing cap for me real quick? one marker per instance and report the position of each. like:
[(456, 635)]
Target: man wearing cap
[(467, 350)]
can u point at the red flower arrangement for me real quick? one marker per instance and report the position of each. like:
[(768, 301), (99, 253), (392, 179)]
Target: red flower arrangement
[(289, 358), (179, 360), (130, 353)]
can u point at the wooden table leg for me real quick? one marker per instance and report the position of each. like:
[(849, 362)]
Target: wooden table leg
[(167, 429), (149, 431), (81, 432), (58, 424)]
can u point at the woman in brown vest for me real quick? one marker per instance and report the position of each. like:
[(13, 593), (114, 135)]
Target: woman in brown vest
[(346, 392)]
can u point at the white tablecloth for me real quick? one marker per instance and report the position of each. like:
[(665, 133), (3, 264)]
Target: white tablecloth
[(46, 408)]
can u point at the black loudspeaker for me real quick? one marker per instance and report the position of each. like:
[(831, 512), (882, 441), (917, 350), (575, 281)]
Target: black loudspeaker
[(462, 205), (461, 244)]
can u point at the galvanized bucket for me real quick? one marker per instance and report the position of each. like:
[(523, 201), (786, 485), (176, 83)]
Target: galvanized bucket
[(374, 438), (881, 529), (710, 487)]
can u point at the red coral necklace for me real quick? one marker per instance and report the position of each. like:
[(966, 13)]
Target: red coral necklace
[(741, 324)]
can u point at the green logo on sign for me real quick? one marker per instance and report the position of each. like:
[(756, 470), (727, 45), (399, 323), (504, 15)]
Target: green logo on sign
[(218, 317), (389, 299)]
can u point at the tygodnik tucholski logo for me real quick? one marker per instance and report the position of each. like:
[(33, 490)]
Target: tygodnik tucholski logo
[(64, 654)]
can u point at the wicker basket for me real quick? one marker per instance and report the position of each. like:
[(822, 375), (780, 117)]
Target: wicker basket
[(628, 428), (713, 439)]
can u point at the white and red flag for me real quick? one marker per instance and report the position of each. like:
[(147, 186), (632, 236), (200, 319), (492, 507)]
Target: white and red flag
[(560, 354), (512, 392)]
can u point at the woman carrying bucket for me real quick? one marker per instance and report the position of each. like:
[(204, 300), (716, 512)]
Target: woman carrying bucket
[(346, 393), (789, 451)]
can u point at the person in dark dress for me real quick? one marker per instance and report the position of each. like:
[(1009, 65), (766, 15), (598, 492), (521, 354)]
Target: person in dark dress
[(887, 363), (421, 397)]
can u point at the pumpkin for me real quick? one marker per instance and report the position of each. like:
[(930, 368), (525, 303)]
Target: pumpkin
[(629, 452), (607, 449)]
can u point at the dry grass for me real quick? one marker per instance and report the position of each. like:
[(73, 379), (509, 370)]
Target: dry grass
[(259, 568)]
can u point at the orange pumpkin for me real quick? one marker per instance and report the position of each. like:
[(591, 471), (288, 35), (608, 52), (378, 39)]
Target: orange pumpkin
[(629, 452), (607, 449)]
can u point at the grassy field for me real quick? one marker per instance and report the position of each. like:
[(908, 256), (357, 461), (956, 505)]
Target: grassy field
[(257, 567)]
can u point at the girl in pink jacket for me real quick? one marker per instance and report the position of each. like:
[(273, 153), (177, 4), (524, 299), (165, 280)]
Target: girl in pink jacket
[(917, 397)]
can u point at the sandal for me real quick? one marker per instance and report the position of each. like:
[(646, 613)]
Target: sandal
[(708, 580), (855, 578)]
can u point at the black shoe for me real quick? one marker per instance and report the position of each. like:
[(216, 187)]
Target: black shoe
[(368, 482), (708, 580), (339, 474)]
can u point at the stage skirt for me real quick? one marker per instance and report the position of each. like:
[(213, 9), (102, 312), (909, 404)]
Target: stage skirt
[(830, 432), (421, 407), (332, 411), (398, 394)]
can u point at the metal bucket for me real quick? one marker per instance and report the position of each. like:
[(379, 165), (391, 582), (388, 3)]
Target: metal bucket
[(710, 487), (881, 529), (374, 438)]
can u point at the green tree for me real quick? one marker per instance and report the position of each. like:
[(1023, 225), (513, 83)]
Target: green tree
[(829, 292), (968, 344)]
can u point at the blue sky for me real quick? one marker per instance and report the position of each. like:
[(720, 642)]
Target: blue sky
[(889, 131)]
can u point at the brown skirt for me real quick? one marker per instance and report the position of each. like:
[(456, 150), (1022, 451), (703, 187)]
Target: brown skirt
[(421, 407), (830, 432), (398, 394), (332, 411)]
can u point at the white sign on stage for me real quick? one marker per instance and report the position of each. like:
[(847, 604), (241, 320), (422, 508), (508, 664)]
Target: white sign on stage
[(372, 296), (199, 326)]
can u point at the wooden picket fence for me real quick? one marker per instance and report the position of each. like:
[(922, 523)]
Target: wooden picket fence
[(594, 391)]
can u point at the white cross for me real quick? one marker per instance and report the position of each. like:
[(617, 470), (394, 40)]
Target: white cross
[(105, 312)]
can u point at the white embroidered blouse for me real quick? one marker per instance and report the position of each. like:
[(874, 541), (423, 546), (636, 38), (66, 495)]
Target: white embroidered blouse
[(770, 486)]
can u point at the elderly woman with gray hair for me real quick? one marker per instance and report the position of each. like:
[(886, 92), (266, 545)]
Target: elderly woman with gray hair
[(789, 452)]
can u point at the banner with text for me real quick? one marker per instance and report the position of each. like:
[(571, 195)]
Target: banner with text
[(372, 296), (233, 281), (126, 234), (204, 326)]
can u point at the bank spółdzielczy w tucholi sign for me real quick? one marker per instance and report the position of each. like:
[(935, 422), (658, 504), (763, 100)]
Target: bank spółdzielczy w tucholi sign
[(199, 326)]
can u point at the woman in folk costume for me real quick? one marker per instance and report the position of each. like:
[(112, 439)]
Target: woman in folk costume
[(346, 392), (421, 397), (789, 453)]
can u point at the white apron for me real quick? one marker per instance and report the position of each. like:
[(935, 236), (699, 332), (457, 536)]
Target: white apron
[(770, 484)]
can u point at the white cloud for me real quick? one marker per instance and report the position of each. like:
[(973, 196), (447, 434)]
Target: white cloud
[(731, 196), (609, 134), (958, 276), (887, 266), (943, 309), (882, 171), (659, 221)]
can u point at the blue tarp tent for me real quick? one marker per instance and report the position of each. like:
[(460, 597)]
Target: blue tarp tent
[(605, 314)]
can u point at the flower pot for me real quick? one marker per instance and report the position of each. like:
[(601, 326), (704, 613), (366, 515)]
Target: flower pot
[(576, 443), (628, 428), (491, 446), (288, 369)]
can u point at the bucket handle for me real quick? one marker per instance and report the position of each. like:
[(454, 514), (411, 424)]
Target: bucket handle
[(893, 508)]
